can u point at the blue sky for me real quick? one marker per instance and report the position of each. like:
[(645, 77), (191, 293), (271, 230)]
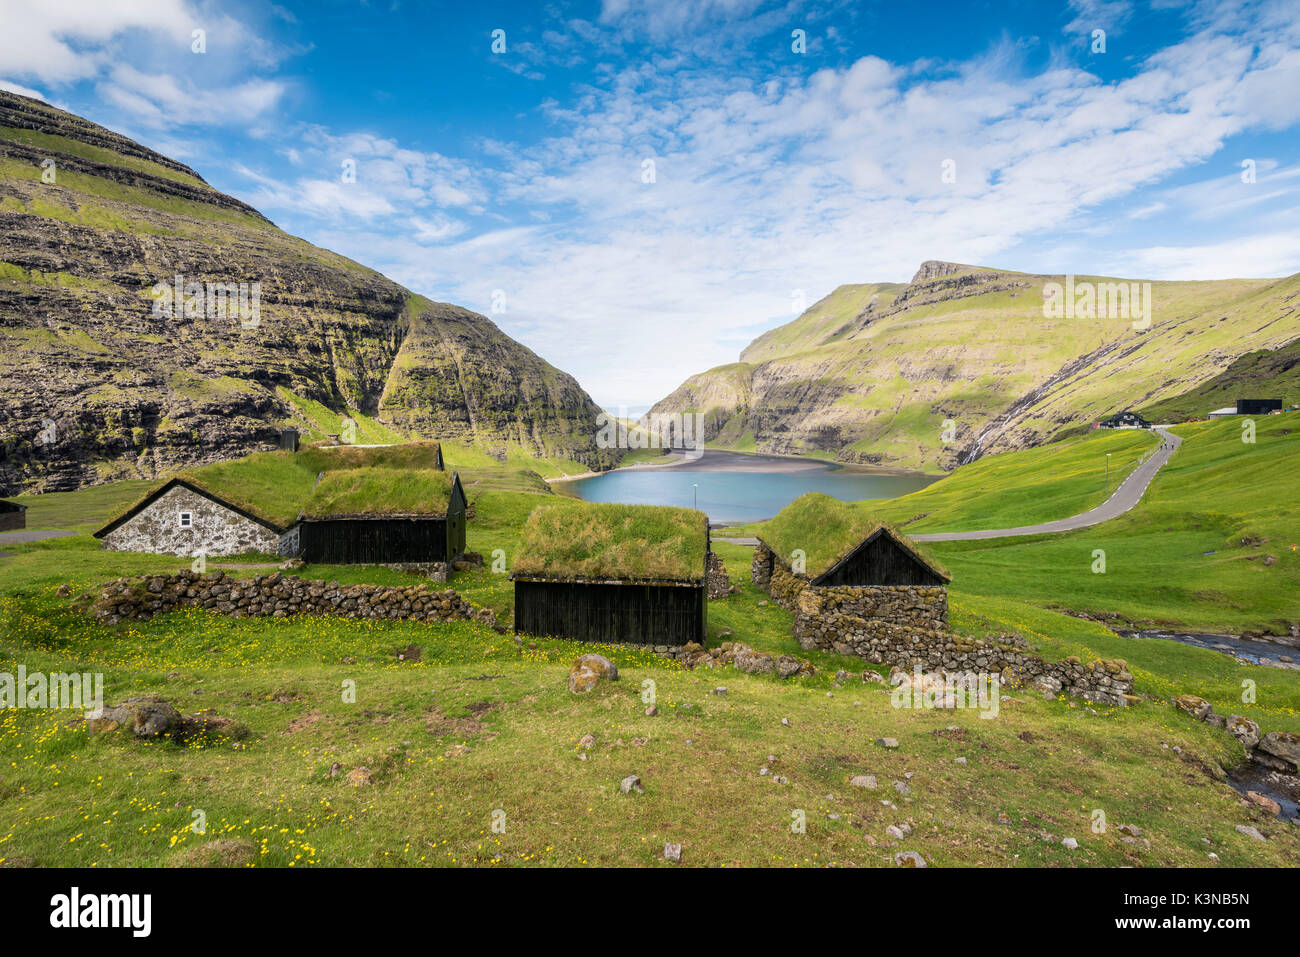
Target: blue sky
[(515, 182)]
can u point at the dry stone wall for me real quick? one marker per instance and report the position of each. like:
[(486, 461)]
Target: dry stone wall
[(717, 581), (279, 596), (907, 626)]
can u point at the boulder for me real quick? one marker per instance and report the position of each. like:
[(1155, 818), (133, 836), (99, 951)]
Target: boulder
[(909, 859), (863, 781), (1244, 730), (753, 662), (1198, 708), (148, 716), (582, 679), (631, 783), (601, 665), (1284, 745), (673, 852), (787, 666), (1264, 801)]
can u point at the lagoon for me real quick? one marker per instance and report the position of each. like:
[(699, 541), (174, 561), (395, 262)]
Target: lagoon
[(733, 488)]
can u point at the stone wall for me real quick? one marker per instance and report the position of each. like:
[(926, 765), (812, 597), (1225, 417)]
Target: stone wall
[(881, 641), (717, 581), (215, 529), (279, 596), (785, 587), (919, 606), (760, 570), (907, 626)]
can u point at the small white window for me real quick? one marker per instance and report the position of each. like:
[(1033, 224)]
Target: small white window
[(187, 519)]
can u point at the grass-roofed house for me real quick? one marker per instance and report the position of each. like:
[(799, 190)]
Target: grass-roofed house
[(228, 508), (848, 577), (614, 573), (384, 516), (12, 516), (250, 504)]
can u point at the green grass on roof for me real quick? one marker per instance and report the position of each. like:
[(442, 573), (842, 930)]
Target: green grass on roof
[(271, 485), (639, 542), (380, 491), (410, 455), (275, 486), (826, 529)]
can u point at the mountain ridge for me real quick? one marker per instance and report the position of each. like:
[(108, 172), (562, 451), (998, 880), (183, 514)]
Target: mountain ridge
[(100, 385), (964, 360)]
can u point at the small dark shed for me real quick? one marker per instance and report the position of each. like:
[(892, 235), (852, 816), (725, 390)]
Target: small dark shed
[(288, 440), (613, 573), (384, 517), (1258, 406), (12, 516)]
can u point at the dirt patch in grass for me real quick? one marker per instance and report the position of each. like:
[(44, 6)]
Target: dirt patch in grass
[(304, 721)]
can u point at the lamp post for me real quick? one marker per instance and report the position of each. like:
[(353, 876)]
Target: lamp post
[(695, 495)]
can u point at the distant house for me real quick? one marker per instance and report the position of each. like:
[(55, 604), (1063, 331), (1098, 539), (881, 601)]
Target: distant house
[(384, 516), (613, 573), (253, 504), (12, 516), (1258, 406), (840, 569), (182, 517), (1124, 420)]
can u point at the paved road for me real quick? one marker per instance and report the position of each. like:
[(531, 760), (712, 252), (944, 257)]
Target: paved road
[(1128, 494), (22, 538)]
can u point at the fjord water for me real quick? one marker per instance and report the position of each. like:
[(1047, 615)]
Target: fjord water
[(735, 488)]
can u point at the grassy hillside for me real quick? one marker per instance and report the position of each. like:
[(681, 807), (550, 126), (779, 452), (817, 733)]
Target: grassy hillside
[(1267, 374), (962, 361), (1214, 545), (110, 373)]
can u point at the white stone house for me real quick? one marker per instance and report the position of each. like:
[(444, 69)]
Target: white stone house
[(179, 518)]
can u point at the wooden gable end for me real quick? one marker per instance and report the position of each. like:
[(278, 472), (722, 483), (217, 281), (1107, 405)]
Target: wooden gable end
[(881, 560)]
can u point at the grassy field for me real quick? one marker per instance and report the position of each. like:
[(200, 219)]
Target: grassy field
[(482, 726)]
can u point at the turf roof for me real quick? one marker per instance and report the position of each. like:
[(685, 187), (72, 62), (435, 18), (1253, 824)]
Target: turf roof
[(623, 542), (274, 486), (827, 530), (380, 492)]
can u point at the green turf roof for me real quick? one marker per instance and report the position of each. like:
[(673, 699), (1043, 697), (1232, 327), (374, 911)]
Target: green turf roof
[(623, 542), (827, 530), (380, 492), (274, 486)]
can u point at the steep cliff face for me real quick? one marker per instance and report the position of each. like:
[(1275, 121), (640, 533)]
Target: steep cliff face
[(129, 347), (963, 361)]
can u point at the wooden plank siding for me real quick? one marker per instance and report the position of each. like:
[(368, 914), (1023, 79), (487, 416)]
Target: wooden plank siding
[(879, 561), (374, 541), (632, 613)]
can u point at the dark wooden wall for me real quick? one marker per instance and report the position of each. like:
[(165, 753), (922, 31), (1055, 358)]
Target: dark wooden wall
[(880, 562), (12, 520), (635, 614), (377, 541)]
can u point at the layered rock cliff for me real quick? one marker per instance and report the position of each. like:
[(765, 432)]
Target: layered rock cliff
[(126, 349)]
